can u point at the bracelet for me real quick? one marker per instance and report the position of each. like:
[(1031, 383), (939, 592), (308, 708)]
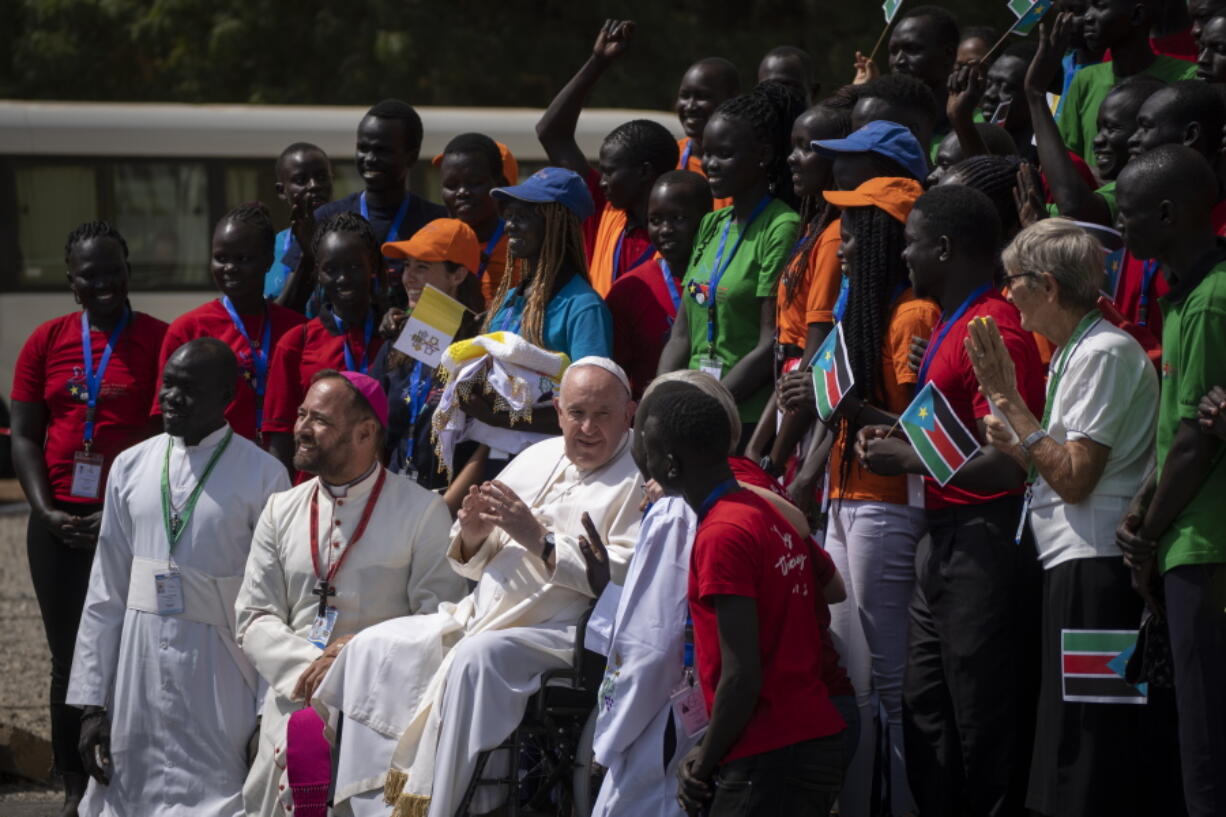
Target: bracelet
[(1032, 439)]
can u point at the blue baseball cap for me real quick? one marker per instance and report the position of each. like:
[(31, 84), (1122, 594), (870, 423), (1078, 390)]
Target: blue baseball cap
[(885, 138), (552, 184)]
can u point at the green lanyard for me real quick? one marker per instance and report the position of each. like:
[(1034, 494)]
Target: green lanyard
[(1060, 364), (175, 522)]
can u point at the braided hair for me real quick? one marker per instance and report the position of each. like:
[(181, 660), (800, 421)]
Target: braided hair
[(561, 248), (350, 223), (877, 269), (764, 110), (995, 177), (90, 230), (645, 142), (255, 214)]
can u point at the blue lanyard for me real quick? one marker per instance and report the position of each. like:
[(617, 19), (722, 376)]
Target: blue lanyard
[(93, 378), (685, 155), (721, 266), (259, 356), (393, 232), (506, 319), (946, 325), (719, 492), (674, 291), (415, 395), (490, 246), (840, 305), (1147, 279), (617, 254), (367, 332), (289, 242)]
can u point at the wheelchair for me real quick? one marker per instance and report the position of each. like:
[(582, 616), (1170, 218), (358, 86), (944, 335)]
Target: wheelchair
[(551, 770)]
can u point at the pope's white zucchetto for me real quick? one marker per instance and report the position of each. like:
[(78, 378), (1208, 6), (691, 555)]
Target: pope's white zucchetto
[(601, 363)]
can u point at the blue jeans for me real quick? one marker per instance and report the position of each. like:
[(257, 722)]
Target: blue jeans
[(801, 779)]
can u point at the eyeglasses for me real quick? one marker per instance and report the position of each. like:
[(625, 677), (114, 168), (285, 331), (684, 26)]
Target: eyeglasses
[(1009, 279)]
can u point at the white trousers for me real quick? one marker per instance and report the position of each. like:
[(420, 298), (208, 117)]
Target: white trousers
[(873, 545)]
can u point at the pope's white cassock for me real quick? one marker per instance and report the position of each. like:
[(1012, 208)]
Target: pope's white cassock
[(180, 693), (426, 695), (397, 568), (637, 738)]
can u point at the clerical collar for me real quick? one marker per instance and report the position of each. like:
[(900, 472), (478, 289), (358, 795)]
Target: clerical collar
[(208, 441), (341, 491)]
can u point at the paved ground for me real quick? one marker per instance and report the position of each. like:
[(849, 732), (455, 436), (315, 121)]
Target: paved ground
[(24, 663)]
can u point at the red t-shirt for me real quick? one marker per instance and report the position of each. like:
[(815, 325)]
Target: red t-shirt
[(743, 547), (952, 373), (1128, 298), (211, 320), (747, 472), (51, 370), (643, 314), (301, 353)]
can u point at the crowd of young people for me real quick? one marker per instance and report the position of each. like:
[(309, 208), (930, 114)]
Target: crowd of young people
[(1021, 249)]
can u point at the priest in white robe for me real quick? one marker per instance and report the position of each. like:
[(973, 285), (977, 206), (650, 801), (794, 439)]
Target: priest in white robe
[(524, 541), (369, 544), (169, 699)]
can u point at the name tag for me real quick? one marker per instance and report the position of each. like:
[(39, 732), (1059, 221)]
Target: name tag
[(169, 590), (321, 630), (690, 707), (711, 366), (86, 475)]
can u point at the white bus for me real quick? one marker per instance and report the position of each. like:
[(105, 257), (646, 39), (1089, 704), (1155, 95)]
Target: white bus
[(165, 173)]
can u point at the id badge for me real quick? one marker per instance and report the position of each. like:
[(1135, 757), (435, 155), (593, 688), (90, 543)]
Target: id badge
[(86, 475), (690, 707), (711, 366), (169, 589), (321, 630)]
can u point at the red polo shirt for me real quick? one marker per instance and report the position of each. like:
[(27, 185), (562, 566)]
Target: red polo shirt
[(952, 373), (51, 370), (303, 352), (211, 320), (743, 547)]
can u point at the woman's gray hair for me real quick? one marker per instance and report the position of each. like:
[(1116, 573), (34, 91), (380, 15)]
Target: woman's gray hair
[(1067, 252), (710, 386)]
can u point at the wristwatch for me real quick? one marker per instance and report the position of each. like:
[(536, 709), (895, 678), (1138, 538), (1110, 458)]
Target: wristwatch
[(547, 546), (1032, 439), (768, 465)]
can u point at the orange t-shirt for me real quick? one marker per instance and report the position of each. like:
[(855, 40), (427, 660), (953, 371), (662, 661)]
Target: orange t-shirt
[(826, 276), (694, 162), (909, 316), (792, 316)]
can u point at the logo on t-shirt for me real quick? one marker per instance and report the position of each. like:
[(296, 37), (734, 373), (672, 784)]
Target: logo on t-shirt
[(1168, 370), (76, 385), (792, 562)]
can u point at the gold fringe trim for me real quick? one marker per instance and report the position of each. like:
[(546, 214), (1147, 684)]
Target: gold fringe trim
[(411, 805), (394, 785)]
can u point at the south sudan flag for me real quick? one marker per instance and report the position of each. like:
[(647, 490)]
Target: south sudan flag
[(1092, 666), (937, 435), (832, 377)]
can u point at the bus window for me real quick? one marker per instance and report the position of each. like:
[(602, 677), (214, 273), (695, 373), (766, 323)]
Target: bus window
[(162, 208), (49, 196)]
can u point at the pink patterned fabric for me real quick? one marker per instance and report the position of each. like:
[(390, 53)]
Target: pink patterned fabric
[(308, 763)]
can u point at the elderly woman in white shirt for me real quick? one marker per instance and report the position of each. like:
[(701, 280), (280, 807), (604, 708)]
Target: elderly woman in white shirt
[(1088, 456)]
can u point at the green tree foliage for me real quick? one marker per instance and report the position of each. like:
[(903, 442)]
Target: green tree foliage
[(436, 52)]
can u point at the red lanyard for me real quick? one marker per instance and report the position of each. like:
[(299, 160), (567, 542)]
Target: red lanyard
[(357, 534)]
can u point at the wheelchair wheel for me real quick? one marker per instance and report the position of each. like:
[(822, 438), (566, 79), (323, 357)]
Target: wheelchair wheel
[(587, 776)]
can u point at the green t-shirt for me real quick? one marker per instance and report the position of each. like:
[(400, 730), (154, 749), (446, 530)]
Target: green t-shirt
[(751, 274), (1078, 121), (1193, 362), (1107, 191)]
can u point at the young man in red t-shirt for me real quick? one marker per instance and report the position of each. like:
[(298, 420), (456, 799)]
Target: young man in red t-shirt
[(644, 301), (774, 743), (971, 680)]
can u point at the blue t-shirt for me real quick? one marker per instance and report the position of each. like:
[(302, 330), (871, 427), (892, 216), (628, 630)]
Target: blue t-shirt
[(577, 322), (278, 273)]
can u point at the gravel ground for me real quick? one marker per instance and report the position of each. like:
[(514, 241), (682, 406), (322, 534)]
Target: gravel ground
[(24, 665)]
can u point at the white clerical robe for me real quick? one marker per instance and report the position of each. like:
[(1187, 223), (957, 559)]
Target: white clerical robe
[(646, 664), (181, 695), (397, 568), (396, 683)]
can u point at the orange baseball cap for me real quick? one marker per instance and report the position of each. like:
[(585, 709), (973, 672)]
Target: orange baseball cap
[(444, 239), (895, 195), (510, 167)]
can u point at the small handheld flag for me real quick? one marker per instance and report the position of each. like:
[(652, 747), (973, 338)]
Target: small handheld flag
[(1028, 14), (1093, 664), (832, 375), (431, 327), (890, 7), (943, 444)]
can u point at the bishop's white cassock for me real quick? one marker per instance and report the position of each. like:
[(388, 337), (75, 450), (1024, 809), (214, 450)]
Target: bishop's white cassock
[(637, 739), (181, 695), (397, 568), (427, 694)]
